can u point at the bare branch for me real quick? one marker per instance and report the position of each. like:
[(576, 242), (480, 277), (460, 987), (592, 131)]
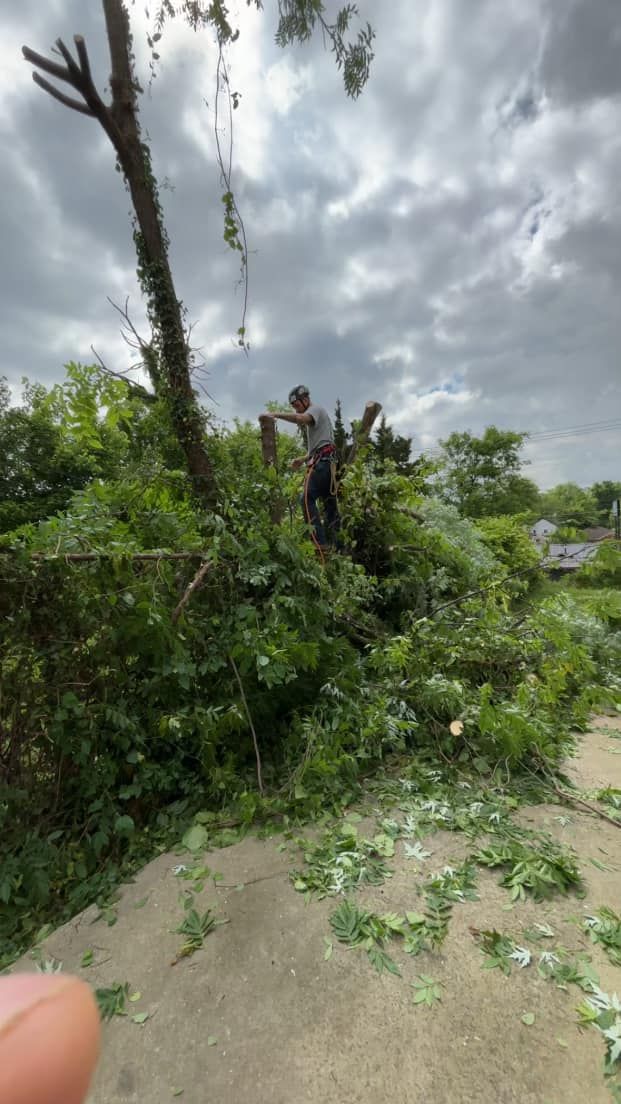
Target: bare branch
[(68, 101), (194, 585), (134, 388), (575, 800), (249, 716), (50, 67), (74, 70), (85, 64), (124, 312), (90, 557)]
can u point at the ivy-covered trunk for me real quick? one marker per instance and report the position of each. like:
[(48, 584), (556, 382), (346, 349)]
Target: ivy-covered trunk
[(151, 247), (152, 251), (120, 122)]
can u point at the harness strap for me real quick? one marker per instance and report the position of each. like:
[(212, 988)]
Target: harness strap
[(324, 452), (334, 483)]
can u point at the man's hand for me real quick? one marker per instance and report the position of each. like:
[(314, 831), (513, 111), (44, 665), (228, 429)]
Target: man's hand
[(297, 463), (267, 415)]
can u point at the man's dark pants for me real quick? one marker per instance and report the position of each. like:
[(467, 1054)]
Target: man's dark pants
[(318, 485)]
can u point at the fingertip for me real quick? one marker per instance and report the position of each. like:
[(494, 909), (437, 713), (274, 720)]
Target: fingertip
[(49, 1039)]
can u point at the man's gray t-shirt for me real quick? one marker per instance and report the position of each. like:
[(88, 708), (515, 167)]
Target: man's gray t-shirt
[(320, 432)]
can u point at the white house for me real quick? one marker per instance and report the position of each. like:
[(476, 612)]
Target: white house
[(542, 530)]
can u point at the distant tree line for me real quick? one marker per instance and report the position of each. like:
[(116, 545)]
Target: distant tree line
[(483, 477)]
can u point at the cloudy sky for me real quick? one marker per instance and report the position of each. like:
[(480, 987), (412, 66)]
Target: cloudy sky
[(449, 244)]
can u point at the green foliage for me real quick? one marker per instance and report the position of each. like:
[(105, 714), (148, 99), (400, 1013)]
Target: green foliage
[(340, 862), (426, 991), (111, 1002), (121, 722), (388, 445), (598, 1010), (55, 443), (481, 475), (542, 869), (602, 1011), (604, 494), (297, 22), (359, 928), (195, 927), (340, 433), (605, 928), (605, 569), (497, 949), (569, 504), (508, 540)]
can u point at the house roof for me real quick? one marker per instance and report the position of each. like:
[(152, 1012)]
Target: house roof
[(569, 557), (598, 532)]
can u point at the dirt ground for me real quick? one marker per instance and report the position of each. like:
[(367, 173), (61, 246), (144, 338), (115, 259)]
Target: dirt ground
[(259, 1015)]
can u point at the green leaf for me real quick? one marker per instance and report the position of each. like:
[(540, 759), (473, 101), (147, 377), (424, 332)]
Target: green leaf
[(111, 1002), (528, 1018), (382, 961), (87, 958), (195, 839), (385, 845), (426, 991), (480, 764), (349, 923), (327, 954), (135, 997), (140, 1017), (212, 1040), (124, 826)]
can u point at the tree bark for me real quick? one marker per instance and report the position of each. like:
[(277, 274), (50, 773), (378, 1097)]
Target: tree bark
[(270, 460), (371, 411), (120, 122), (268, 441)]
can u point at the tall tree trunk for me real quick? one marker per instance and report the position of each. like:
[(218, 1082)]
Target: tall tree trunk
[(120, 122)]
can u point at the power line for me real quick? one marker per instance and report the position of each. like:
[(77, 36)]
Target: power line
[(562, 434), (565, 433), (581, 425)]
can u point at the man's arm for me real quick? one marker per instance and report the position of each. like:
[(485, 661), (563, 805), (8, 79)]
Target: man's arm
[(295, 419), (285, 416)]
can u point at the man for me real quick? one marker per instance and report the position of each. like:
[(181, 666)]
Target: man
[(320, 461)]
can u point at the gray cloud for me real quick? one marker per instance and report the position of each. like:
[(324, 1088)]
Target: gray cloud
[(582, 56)]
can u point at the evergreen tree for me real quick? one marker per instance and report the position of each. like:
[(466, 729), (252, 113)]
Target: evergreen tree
[(389, 445), (340, 433)]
